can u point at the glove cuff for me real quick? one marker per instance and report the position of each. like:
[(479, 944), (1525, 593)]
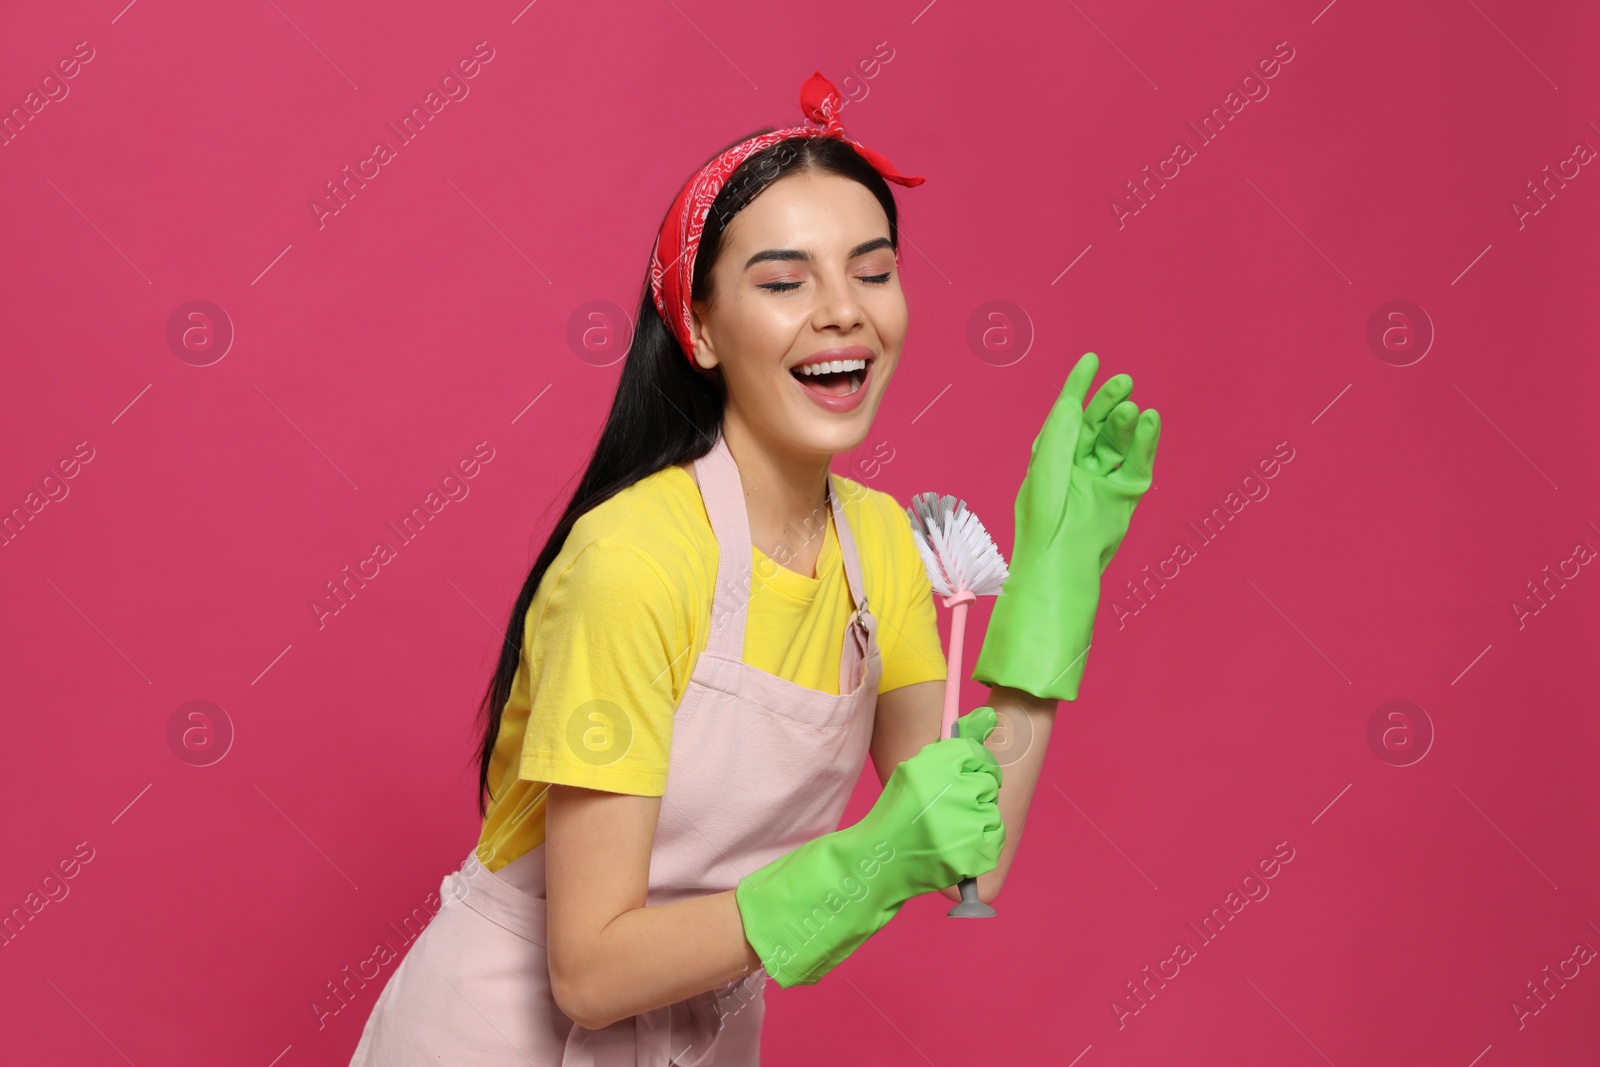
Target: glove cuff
[(806, 911), (1039, 648)]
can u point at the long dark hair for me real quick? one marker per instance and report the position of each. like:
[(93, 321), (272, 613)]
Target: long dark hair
[(667, 410)]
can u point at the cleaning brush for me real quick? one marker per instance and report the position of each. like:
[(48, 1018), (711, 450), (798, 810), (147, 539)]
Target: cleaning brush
[(963, 564)]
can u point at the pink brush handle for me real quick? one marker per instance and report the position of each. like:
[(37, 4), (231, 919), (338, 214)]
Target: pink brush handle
[(952, 680), (970, 907)]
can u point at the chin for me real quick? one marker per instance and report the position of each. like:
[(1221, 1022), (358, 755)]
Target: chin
[(838, 433)]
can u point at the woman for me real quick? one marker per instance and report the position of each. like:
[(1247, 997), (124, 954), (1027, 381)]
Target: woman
[(716, 635)]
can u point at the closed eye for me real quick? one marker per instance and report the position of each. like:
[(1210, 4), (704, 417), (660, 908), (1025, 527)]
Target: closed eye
[(784, 287)]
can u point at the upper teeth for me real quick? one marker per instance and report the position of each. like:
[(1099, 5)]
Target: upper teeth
[(832, 368)]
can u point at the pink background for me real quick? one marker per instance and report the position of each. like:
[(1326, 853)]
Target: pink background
[(1229, 713)]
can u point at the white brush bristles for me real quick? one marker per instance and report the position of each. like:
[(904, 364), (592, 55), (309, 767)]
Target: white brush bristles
[(959, 553)]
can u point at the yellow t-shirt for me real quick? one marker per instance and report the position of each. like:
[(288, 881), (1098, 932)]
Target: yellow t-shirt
[(624, 611)]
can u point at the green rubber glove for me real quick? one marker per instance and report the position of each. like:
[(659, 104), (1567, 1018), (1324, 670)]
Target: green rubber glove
[(1086, 473), (936, 822)]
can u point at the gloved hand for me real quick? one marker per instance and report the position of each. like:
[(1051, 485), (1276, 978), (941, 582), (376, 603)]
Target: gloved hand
[(936, 822), (1087, 471)]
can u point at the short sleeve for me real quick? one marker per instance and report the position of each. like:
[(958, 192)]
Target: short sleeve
[(909, 636), (601, 669)]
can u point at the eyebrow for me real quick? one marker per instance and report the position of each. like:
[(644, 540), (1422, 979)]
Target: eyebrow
[(794, 253)]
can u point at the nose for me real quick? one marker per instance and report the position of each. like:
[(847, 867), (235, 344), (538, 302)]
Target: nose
[(838, 304)]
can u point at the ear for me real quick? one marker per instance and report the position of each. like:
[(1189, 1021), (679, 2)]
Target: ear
[(705, 354)]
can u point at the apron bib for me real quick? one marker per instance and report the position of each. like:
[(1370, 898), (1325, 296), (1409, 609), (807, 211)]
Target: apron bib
[(759, 765)]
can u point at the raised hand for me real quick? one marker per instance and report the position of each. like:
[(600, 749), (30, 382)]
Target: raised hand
[(1087, 471)]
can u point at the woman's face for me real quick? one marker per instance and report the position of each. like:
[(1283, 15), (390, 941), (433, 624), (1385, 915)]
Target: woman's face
[(805, 270)]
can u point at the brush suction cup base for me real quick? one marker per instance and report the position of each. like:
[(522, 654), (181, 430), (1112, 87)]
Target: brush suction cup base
[(970, 907), (976, 910)]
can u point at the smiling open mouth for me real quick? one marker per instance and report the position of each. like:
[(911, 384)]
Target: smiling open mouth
[(838, 378)]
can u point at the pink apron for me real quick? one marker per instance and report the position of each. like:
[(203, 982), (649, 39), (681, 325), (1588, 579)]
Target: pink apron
[(759, 765)]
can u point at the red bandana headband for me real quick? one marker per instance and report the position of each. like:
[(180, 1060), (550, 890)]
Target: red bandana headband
[(672, 261)]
